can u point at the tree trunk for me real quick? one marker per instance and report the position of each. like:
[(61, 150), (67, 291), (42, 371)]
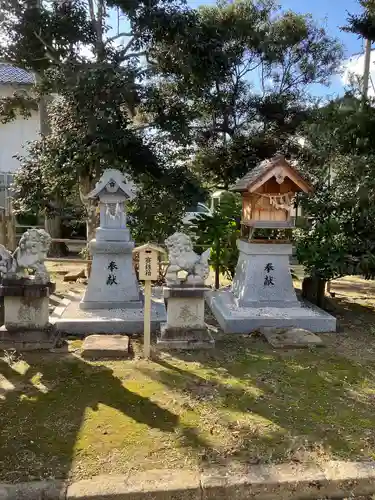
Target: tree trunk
[(86, 184), (53, 226), (217, 266), (91, 222), (217, 276), (313, 290)]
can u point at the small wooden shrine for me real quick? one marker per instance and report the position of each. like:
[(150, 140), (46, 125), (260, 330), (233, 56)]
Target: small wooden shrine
[(268, 193)]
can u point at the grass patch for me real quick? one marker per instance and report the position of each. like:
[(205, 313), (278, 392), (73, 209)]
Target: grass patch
[(63, 417), (242, 402)]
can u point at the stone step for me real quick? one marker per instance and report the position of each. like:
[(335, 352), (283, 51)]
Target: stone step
[(106, 347)]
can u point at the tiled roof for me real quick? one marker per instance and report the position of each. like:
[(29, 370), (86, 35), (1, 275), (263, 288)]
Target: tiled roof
[(258, 171), (11, 74)]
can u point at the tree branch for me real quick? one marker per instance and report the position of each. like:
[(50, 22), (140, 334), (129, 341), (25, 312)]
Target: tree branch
[(143, 127), (133, 54), (129, 44), (49, 50), (113, 38)]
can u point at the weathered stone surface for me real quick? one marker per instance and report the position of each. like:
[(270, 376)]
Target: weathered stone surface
[(74, 275), (186, 312), (284, 482), (30, 253), (333, 479), (183, 259), (291, 337), (76, 321), (181, 292), (29, 340), (106, 346), (26, 313), (36, 490), (263, 295), (112, 283), (185, 327), (25, 287), (150, 485), (185, 338)]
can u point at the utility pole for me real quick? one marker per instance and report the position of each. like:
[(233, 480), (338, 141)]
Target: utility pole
[(366, 72)]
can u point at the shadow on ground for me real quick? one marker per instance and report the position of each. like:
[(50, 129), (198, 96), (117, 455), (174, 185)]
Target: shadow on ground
[(311, 401), (240, 402), (43, 401)]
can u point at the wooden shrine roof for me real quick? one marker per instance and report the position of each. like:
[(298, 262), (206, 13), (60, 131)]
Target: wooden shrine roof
[(262, 172)]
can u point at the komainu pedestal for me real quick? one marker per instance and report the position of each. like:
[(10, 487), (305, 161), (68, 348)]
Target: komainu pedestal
[(26, 315), (185, 327)]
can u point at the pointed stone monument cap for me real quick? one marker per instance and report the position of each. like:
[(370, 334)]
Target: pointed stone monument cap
[(113, 181)]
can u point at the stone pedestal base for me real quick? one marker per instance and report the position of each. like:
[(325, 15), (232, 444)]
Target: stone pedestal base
[(112, 283), (28, 340), (81, 322), (185, 327), (263, 277), (26, 315), (263, 295), (235, 319), (185, 338)]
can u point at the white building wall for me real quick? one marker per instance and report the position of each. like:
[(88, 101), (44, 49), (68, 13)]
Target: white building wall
[(15, 135)]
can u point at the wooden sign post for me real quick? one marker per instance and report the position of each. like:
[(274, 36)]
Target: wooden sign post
[(148, 272)]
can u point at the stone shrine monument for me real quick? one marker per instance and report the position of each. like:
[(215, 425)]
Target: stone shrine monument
[(262, 293), (112, 283), (185, 327), (26, 297), (112, 302)]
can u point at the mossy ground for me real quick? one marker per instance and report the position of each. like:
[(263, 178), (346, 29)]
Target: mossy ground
[(243, 402)]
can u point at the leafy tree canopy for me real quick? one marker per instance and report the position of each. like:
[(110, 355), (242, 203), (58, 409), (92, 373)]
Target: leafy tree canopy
[(339, 156), (363, 24), (247, 94)]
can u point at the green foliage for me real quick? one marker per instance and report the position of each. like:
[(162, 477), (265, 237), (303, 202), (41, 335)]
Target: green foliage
[(220, 232), (95, 113), (363, 24), (340, 238)]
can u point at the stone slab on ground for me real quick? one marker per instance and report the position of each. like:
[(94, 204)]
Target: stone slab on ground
[(77, 321), (74, 275), (55, 300), (106, 347), (332, 479), (291, 337), (235, 319)]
